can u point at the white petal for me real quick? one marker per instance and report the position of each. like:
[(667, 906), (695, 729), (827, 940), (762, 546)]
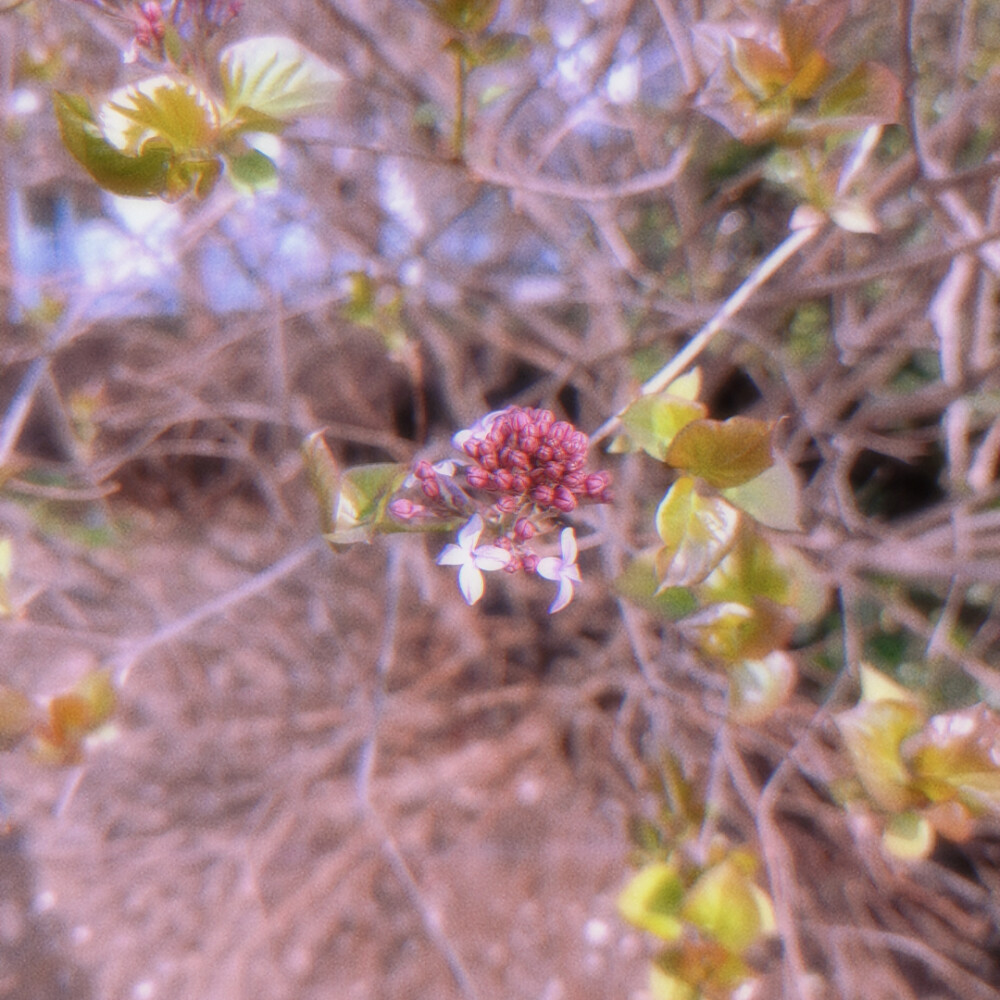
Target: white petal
[(567, 543), (563, 596), (550, 568), (470, 532), (491, 557), (452, 555), (470, 582)]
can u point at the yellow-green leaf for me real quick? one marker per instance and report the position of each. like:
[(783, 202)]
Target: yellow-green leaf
[(725, 904), (909, 836), (359, 506), (873, 732), (276, 78), (723, 453), (652, 900), (773, 497), (160, 112), (697, 533), (651, 422), (133, 176)]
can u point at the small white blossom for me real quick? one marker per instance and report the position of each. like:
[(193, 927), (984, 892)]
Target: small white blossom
[(563, 569), (472, 560)]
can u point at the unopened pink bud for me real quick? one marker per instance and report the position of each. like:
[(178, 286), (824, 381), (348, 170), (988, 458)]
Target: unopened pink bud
[(477, 477), (564, 500), (543, 495), (524, 529), (507, 504)]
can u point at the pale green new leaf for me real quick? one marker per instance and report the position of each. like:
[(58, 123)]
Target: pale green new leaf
[(652, 901), (652, 422), (726, 904), (277, 78), (160, 112), (132, 176), (697, 533), (909, 836), (773, 497)]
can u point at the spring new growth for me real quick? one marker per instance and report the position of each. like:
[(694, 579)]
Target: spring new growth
[(519, 474)]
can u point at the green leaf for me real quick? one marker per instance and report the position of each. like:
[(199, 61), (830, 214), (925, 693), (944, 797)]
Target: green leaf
[(637, 583), (726, 905), (160, 112), (909, 836), (652, 901), (697, 533), (253, 171), (724, 454), (133, 176), (276, 78), (774, 497), (652, 422), (362, 496)]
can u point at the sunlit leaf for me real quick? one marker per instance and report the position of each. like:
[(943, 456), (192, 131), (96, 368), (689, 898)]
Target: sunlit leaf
[(726, 904), (652, 901), (161, 112), (908, 836), (697, 533), (276, 78), (774, 497), (133, 176), (723, 453), (873, 732), (758, 687), (806, 27), (651, 422)]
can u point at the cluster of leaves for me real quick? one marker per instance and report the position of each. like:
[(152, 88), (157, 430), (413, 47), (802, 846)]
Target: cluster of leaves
[(167, 135), (778, 87), (59, 729), (923, 775), (702, 901), (737, 591)]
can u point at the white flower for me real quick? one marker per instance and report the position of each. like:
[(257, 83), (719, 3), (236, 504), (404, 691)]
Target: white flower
[(472, 559), (562, 569), (477, 432)]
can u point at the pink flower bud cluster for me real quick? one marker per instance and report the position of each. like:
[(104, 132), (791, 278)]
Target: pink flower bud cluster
[(528, 459), (523, 470)]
